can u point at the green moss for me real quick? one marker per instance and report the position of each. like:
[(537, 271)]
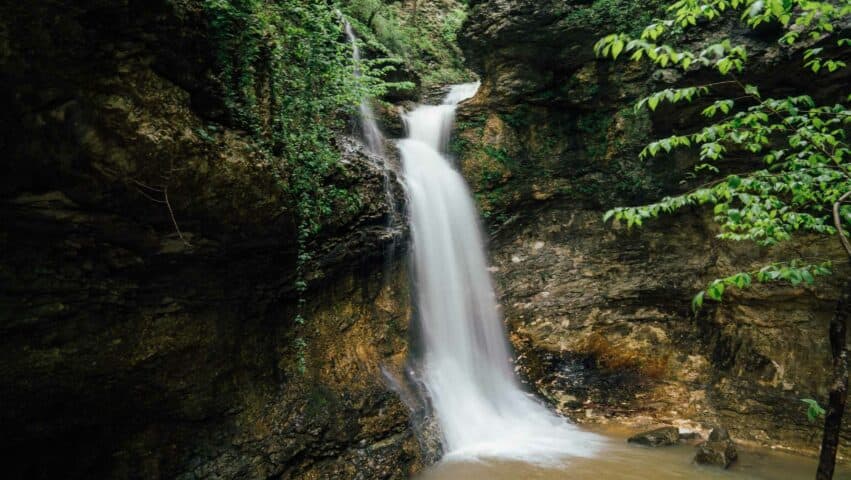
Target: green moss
[(595, 127), (500, 155), (422, 37), (519, 118), (320, 401), (605, 16), (476, 123)]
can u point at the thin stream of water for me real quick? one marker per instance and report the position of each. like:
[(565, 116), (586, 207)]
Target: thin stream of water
[(371, 133), (374, 139)]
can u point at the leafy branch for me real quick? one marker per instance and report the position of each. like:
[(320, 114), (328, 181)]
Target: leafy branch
[(802, 185)]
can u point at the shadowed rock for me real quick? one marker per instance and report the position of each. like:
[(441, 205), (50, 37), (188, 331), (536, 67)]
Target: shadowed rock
[(660, 437), (718, 450)]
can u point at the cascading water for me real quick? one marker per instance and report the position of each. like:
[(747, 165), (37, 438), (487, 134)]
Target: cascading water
[(481, 409), (371, 133), (374, 142)]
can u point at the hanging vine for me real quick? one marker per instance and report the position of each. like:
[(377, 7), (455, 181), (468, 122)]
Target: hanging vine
[(288, 79)]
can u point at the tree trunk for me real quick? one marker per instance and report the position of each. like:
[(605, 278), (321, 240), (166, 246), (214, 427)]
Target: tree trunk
[(838, 386)]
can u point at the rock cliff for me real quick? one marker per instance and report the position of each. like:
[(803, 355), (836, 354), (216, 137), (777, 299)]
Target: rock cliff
[(600, 315)]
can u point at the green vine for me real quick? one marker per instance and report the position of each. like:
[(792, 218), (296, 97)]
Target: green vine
[(805, 176), (288, 78)]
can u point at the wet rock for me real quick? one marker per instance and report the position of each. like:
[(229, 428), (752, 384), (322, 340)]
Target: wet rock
[(719, 450), (660, 437), (719, 434), (390, 117)]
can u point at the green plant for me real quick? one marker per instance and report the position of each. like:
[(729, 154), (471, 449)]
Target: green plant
[(803, 183), (595, 126), (452, 24), (288, 78), (814, 410), (500, 155), (622, 15), (422, 38)]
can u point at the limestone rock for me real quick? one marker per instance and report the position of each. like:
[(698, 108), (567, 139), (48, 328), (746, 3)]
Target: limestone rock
[(660, 437), (719, 450)]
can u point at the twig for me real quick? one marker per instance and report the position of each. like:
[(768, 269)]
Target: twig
[(174, 220), (838, 223)]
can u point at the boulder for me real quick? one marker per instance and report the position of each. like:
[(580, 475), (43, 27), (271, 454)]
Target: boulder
[(660, 437), (719, 450)]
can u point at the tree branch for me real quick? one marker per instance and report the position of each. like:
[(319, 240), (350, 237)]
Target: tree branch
[(837, 222)]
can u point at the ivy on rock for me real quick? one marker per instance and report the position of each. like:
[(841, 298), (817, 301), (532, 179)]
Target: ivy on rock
[(288, 79)]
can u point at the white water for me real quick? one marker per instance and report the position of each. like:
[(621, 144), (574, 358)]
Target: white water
[(481, 409), (371, 133)]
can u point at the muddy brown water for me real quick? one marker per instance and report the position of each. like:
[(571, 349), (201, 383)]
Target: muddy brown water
[(620, 460)]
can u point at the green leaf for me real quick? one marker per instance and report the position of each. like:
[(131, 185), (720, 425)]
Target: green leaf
[(716, 290), (814, 410), (734, 181), (617, 48), (752, 90), (697, 301)]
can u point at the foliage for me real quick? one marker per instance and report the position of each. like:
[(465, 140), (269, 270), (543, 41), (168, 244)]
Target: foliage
[(288, 79), (622, 15), (595, 126), (800, 146), (422, 37), (814, 410)]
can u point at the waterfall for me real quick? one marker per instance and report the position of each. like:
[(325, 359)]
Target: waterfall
[(374, 140), (466, 368), (371, 133)]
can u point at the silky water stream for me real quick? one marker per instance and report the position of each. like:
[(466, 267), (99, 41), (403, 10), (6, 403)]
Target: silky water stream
[(492, 428), (466, 365)]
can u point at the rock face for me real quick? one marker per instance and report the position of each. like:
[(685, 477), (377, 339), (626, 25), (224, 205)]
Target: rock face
[(552, 123), (148, 263), (600, 315), (660, 437), (719, 450)]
